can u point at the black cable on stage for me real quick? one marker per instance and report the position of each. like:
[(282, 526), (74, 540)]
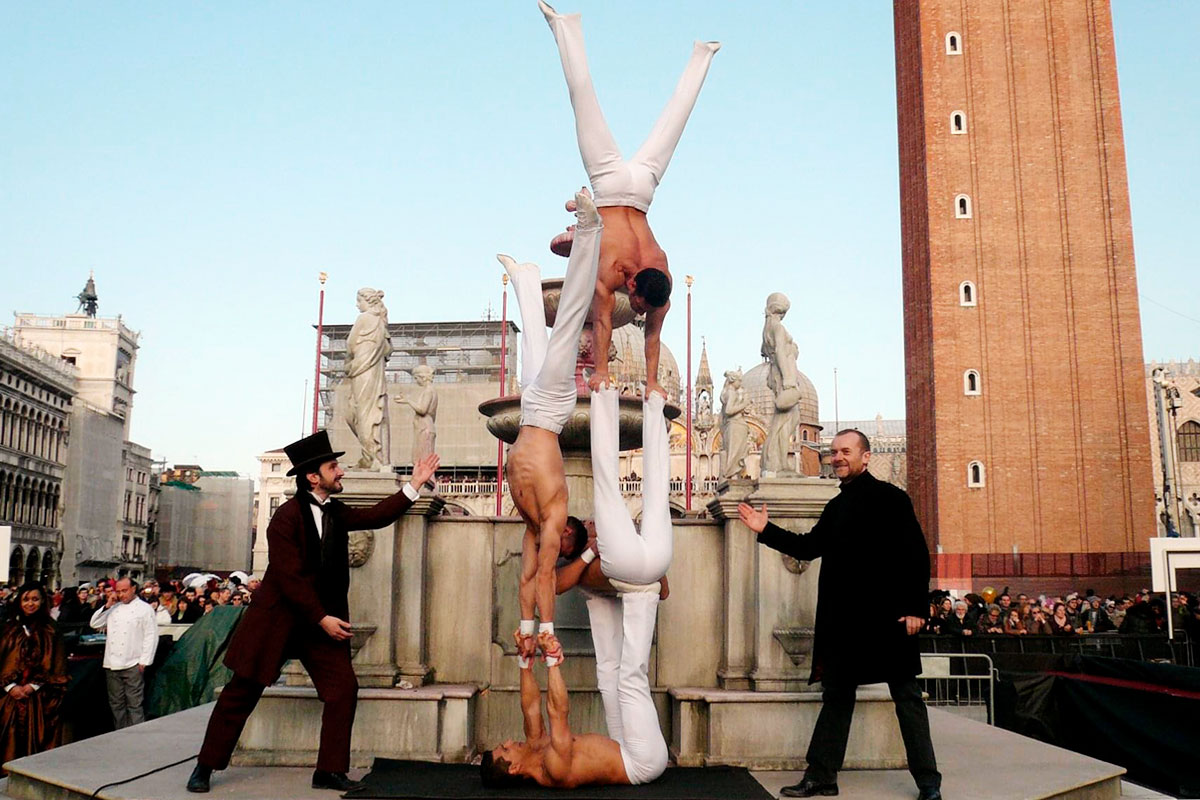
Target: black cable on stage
[(96, 793)]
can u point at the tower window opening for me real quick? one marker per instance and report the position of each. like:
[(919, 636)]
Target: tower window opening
[(962, 207), (958, 122), (966, 293), (971, 384), (953, 44), (975, 474)]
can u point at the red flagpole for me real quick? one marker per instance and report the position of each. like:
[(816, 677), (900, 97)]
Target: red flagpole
[(320, 322), (687, 487), (503, 364)]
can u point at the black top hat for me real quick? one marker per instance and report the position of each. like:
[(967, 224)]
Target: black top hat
[(310, 452)]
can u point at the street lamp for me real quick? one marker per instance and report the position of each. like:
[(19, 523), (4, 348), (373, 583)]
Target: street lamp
[(321, 276), (688, 465)]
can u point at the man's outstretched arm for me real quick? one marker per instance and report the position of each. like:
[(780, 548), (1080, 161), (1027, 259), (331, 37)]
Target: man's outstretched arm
[(558, 756), (531, 704), (603, 303), (654, 323), (547, 560)]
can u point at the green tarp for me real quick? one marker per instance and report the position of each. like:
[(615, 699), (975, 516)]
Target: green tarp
[(193, 672)]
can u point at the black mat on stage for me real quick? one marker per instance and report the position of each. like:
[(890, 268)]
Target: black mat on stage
[(423, 780)]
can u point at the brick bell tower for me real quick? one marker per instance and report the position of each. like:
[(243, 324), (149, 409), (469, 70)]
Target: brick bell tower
[(1028, 443)]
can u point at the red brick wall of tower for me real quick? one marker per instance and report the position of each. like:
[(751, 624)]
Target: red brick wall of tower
[(1059, 425)]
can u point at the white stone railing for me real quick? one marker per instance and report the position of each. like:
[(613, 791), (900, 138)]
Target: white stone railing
[(35, 358)]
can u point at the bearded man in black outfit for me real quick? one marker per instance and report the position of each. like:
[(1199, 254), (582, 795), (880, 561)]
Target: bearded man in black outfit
[(867, 536)]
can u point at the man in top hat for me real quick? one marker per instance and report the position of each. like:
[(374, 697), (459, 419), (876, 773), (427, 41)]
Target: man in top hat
[(301, 611)]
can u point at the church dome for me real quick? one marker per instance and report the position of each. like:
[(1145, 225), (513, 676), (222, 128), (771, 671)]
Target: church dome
[(763, 402), (628, 366)]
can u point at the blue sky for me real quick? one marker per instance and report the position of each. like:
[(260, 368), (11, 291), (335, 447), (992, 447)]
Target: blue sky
[(208, 160)]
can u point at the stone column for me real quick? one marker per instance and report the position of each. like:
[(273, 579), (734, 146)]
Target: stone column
[(786, 588), (410, 616), (739, 559)]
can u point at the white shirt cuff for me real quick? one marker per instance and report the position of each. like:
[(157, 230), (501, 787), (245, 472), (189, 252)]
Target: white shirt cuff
[(410, 492), (9, 687)]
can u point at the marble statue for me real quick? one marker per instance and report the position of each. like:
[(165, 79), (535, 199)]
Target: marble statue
[(735, 430), (780, 352), (367, 351), (424, 405)]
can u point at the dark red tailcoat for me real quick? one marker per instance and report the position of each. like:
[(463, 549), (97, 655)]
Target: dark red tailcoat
[(306, 580)]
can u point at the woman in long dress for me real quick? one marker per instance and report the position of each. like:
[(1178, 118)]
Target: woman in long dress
[(33, 675)]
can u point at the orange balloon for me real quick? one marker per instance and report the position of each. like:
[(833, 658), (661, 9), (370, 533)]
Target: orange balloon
[(988, 594)]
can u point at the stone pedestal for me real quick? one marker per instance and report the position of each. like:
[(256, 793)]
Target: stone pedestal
[(787, 587), (578, 468), (435, 723), (387, 589), (771, 730)]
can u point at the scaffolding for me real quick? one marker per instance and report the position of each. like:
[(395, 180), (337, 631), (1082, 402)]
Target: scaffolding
[(458, 352)]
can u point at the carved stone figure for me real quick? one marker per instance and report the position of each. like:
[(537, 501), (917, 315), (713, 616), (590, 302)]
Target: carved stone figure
[(735, 430), (424, 404), (367, 351), (780, 352)]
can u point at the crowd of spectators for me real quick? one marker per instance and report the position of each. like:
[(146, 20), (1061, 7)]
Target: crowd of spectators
[(172, 601), (33, 652), (1075, 614)]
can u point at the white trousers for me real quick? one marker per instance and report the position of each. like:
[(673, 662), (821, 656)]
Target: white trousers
[(548, 370), (625, 555), (615, 181), (622, 631)]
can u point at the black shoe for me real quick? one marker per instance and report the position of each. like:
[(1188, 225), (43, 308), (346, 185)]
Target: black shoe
[(933, 793), (334, 780), (809, 788), (199, 780)]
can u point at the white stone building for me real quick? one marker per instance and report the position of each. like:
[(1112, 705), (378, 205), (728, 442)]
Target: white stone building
[(106, 495), (1184, 376), (36, 392)]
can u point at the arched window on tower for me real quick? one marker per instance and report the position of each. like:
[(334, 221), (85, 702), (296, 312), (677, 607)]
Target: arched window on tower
[(975, 474), (953, 43), (966, 293), (1188, 439), (958, 122), (962, 206), (971, 382)]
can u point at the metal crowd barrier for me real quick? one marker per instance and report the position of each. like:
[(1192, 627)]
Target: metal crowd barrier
[(963, 681), (1134, 646)]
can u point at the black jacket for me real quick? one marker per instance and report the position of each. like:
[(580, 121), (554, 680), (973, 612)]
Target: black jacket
[(874, 570)]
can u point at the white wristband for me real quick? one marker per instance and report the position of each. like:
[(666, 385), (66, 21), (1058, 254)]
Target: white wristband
[(523, 662), (527, 627), (588, 556), (546, 627)]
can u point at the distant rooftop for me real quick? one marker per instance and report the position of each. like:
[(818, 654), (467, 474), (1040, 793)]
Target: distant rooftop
[(886, 428)]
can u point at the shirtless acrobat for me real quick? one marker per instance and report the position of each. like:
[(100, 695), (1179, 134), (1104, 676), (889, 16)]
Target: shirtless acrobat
[(559, 758), (534, 469), (630, 257)]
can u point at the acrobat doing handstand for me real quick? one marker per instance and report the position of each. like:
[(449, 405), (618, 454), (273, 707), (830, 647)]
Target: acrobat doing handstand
[(630, 257), (622, 604), (536, 477)]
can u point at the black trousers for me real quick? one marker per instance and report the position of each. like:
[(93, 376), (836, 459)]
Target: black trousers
[(328, 665), (827, 750)]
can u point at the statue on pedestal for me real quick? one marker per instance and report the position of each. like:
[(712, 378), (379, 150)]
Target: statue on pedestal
[(424, 405), (735, 430), (780, 352), (367, 351)]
